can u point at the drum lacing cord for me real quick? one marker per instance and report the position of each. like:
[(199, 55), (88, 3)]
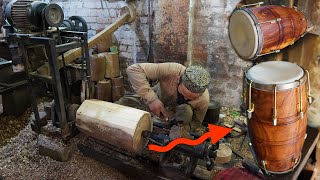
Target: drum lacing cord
[(251, 105), (310, 99), (275, 106)]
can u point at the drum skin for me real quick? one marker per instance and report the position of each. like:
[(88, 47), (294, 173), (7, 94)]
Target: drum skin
[(279, 146), (272, 36)]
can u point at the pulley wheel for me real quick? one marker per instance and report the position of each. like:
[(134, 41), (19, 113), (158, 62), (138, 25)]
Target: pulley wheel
[(68, 24), (79, 24), (54, 15)]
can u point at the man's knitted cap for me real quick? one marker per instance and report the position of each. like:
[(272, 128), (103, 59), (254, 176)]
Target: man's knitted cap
[(196, 79)]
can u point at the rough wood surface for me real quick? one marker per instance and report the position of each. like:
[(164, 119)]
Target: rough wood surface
[(118, 81), (97, 68), (117, 92), (103, 46), (112, 65), (115, 124), (104, 90)]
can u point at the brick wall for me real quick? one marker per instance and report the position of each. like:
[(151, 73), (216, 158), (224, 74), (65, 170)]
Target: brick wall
[(209, 41), (225, 67)]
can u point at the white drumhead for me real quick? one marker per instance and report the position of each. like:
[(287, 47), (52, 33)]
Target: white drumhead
[(275, 72), (243, 34)]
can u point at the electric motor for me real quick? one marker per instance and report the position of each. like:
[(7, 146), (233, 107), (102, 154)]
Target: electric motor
[(33, 15)]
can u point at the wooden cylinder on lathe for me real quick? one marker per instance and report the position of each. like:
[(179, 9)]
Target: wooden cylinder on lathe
[(104, 90), (117, 88), (115, 124), (97, 64)]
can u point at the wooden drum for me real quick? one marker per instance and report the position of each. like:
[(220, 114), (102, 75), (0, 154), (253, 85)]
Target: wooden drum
[(277, 120), (263, 30)]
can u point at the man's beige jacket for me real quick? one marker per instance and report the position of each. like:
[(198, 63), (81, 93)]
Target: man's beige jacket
[(167, 76)]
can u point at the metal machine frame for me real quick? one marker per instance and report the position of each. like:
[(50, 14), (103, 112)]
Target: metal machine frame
[(52, 48)]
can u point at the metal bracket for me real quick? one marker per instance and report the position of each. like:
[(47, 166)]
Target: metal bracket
[(251, 105), (270, 21), (258, 4), (300, 99), (310, 98)]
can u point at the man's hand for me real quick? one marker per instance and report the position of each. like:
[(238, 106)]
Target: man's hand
[(158, 109)]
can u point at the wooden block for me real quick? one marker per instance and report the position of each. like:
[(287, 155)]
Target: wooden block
[(104, 90), (117, 92), (237, 129), (224, 154), (97, 64), (118, 81), (228, 125)]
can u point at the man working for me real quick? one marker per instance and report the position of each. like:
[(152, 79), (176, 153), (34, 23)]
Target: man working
[(180, 93)]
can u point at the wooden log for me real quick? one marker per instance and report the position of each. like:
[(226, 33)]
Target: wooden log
[(118, 81), (115, 124), (117, 92), (104, 90), (98, 69), (103, 46)]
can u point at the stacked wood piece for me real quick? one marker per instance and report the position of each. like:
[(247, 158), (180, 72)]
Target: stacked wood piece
[(105, 73)]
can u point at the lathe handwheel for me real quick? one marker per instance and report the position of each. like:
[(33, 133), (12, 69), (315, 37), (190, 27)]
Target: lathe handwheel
[(79, 23), (68, 24)]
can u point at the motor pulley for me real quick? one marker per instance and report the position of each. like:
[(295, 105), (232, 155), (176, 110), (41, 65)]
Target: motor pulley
[(33, 15)]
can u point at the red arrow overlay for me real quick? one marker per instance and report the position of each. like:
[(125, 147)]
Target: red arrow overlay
[(215, 133)]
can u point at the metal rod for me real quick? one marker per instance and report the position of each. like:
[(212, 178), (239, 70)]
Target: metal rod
[(33, 99), (301, 110), (251, 105), (271, 21), (309, 87), (275, 106), (59, 100), (253, 4)]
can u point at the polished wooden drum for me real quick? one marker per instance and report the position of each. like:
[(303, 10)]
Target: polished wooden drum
[(277, 104), (257, 31)]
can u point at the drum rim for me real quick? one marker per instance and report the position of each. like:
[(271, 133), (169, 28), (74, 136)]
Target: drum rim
[(282, 172), (280, 87), (256, 28), (259, 33)]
